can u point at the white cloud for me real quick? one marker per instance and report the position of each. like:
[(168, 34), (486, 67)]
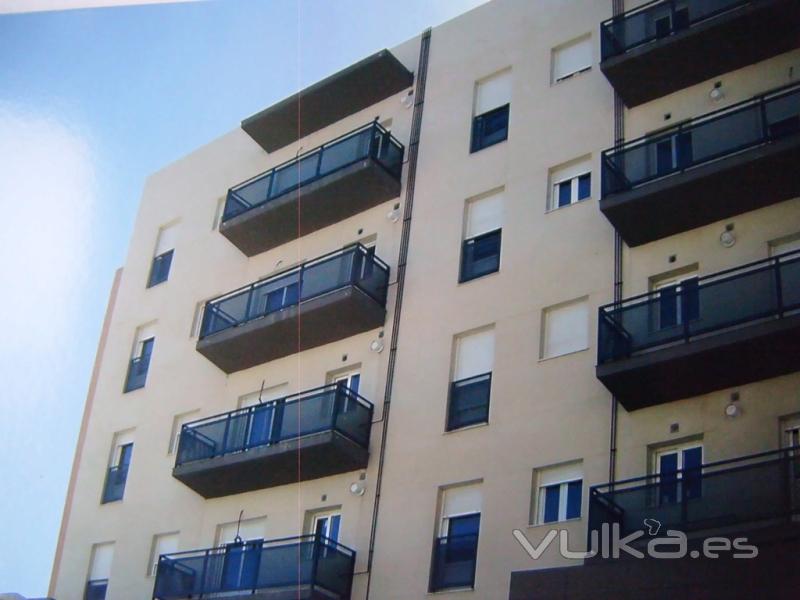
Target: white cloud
[(47, 190)]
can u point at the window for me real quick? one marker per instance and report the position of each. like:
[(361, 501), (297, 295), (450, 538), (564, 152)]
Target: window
[(786, 244), (558, 493), (163, 543), (99, 571), (140, 362), (790, 432), (680, 475), (491, 110), (264, 421), (572, 58), (455, 550), (678, 299), (159, 269), (570, 183), (472, 379), (119, 466), (566, 328), (327, 525), (177, 423), (480, 250), (350, 380)]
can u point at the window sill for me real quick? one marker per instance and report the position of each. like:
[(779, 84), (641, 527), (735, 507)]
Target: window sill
[(560, 208), (466, 281), (571, 76), (451, 591), (465, 428), (554, 523), (546, 358)]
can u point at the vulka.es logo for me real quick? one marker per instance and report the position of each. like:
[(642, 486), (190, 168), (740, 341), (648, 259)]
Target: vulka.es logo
[(608, 543)]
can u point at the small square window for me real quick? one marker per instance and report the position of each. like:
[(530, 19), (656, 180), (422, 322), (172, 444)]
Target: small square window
[(570, 183), (565, 328), (557, 493)]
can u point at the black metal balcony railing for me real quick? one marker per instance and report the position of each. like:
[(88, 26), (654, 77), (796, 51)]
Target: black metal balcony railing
[(722, 133), (355, 265), (305, 561), (369, 141), (453, 563), (469, 401), (96, 589), (137, 373), (114, 488), (745, 491), (329, 408), (657, 20), (765, 289)]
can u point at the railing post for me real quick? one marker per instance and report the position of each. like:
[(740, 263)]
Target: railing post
[(315, 559), (277, 421), (250, 295), (338, 393), (224, 448), (203, 574), (778, 286), (684, 507), (684, 304), (762, 109)]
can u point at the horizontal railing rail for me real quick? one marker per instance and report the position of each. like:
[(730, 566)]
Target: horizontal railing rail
[(369, 141), (658, 20), (764, 289), (253, 565), (733, 492), (333, 407), (768, 117), (355, 265)]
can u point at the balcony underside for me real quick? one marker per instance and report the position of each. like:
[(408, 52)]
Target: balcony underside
[(342, 94), (328, 200), (722, 44), (320, 320), (717, 361), (310, 457), (773, 574), (717, 190)]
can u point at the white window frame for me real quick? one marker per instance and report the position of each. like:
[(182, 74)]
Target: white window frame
[(178, 421), (563, 488), (573, 196), (328, 516), (678, 449)]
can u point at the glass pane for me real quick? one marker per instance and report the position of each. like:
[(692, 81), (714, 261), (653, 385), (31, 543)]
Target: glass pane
[(565, 193), (551, 502), (584, 186), (574, 496)]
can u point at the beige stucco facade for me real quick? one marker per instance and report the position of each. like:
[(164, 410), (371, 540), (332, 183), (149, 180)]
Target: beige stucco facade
[(543, 411)]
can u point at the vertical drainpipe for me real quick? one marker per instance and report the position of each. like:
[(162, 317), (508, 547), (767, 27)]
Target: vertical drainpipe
[(413, 151), (618, 7)]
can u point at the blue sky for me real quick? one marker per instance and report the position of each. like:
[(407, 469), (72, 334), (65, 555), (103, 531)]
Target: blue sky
[(91, 102)]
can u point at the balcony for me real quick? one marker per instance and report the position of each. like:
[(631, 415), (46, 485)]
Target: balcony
[(732, 495), (756, 497), (348, 175), (314, 434), (355, 88), (725, 163), (652, 50), (307, 567), (114, 488), (718, 331), (333, 297)]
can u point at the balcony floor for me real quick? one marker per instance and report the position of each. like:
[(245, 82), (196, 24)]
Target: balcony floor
[(328, 200), (302, 592), (320, 320), (310, 457), (731, 41), (716, 361), (717, 190)]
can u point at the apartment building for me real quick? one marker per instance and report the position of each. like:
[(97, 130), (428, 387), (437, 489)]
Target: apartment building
[(537, 268)]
